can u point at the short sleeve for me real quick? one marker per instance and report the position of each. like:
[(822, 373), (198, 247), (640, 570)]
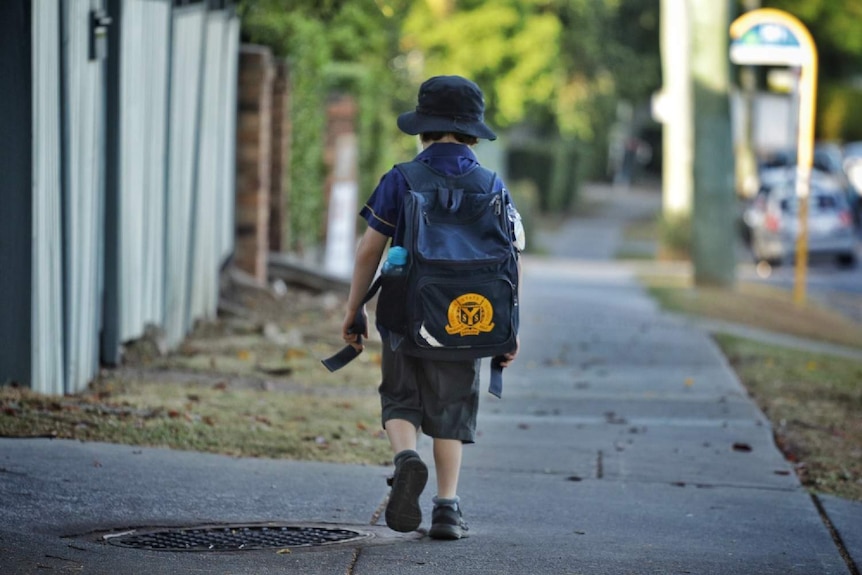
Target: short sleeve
[(383, 207)]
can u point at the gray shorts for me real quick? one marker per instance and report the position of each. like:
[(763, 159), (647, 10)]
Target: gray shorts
[(441, 397)]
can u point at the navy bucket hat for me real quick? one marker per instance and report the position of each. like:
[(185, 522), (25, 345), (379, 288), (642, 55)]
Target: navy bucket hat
[(448, 104)]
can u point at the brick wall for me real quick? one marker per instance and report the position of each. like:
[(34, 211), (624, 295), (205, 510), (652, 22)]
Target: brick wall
[(279, 231), (263, 156), (254, 150)]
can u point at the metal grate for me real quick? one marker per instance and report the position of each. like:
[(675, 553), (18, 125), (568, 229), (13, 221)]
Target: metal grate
[(235, 538)]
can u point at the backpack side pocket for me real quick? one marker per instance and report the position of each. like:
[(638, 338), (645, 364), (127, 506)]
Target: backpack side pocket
[(392, 303)]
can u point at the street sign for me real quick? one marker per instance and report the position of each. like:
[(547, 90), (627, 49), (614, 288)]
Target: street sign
[(767, 36), (768, 43)]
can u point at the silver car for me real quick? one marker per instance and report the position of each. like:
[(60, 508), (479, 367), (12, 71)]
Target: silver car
[(853, 165), (830, 224), (755, 210)]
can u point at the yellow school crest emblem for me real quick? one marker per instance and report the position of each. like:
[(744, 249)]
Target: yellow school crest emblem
[(470, 314)]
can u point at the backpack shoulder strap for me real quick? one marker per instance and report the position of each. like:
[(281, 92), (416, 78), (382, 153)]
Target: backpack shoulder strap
[(419, 176)]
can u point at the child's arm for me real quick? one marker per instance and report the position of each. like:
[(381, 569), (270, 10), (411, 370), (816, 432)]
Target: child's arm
[(368, 255)]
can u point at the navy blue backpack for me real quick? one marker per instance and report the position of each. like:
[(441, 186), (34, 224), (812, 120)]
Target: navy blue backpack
[(459, 296)]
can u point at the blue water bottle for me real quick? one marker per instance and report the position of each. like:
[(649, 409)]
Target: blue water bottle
[(396, 262)]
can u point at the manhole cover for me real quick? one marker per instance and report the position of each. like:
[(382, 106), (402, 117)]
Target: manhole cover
[(234, 537)]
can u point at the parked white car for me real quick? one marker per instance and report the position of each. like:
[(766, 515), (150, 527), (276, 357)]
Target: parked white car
[(830, 224), (853, 165), (754, 209)]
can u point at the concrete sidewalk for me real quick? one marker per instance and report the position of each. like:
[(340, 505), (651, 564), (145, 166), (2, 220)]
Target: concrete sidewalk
[(623, 444)]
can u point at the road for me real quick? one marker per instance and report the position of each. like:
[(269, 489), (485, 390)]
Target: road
[(597, 232)]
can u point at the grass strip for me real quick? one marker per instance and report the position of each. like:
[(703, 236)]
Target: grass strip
[(216, 418), (814, 402), (755, 305)]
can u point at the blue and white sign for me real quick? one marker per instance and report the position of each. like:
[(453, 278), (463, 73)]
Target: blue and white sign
[(768, 43)]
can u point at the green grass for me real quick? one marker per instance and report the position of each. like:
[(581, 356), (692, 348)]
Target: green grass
[(755, 305), (323, 424), (815, 405)]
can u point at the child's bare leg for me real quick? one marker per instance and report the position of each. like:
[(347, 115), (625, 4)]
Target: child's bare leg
[(402, 435), (447, 460)]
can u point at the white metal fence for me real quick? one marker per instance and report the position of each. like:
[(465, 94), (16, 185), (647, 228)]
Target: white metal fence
[(121, 214)]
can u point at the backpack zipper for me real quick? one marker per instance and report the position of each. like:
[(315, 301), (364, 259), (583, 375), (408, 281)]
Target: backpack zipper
[(496, 203)]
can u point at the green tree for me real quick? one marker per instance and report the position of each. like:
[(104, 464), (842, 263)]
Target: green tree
[(509, 47), (557, 60), (712, 217), (557, 66), (834, 25), (330, 46)]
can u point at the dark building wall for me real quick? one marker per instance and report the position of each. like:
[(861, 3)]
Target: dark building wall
[(15, 190)]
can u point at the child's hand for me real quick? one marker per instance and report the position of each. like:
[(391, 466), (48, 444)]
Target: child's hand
[(508, 358), (348, 328)]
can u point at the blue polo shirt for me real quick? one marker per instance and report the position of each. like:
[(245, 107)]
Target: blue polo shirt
[(382, 210)]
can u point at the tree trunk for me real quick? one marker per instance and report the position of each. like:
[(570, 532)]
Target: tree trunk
[(713, 230), (677, 139)]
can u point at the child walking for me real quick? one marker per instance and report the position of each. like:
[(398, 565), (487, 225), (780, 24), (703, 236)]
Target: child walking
[(440, 398)]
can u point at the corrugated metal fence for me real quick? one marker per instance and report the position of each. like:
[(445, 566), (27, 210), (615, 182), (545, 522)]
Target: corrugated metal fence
[(129, 211), (46, 294)]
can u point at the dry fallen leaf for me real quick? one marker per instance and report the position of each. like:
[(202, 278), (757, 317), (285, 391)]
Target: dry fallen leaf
[(294, 353)]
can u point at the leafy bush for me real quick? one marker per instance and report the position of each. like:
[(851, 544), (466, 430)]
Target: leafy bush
[(675, 236), (551, 167), (525, 196), (838, 113)]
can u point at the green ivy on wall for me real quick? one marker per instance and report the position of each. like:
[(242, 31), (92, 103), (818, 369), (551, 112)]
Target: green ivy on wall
[(307, 57)]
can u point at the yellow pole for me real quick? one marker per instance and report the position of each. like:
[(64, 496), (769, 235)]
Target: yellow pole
[(805, 138)]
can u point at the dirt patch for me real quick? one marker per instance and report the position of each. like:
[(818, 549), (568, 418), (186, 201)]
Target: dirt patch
[(248, 383)]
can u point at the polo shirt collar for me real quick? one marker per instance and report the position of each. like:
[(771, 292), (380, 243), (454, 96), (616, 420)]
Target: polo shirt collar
[(447, 149)]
